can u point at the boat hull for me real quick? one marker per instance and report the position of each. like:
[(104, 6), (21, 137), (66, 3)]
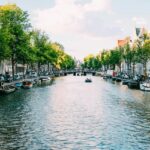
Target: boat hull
[(113, 78), (133, 85), (125, 82), (118, 79), (145, 87), (7, 90), (88, 80), (45, 80), (27, 86), (18, 85)]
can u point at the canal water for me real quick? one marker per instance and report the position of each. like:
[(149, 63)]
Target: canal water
[(72, 114)]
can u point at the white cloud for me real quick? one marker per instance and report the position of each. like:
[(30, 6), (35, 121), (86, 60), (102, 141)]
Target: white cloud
[(67, 15), (81, 28), (98, 5), (138, 21)]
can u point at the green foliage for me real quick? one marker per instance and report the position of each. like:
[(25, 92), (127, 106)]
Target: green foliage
[(142, 51), (68, 62), (116, 56), (92, 62), (14, 25), (105, 59), (4, 48), (21, 45)]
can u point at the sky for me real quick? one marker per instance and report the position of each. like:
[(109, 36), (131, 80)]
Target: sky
[(86, 26)]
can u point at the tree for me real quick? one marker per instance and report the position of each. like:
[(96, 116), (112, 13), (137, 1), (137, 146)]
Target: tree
[(22, 45), (143, 51), (41, 47), (4, 48), (15, 22), (89, 61), (105, 59), (129, 56), (92, 62), (68, 63), (146, 51), (116, 57), (97, 63)]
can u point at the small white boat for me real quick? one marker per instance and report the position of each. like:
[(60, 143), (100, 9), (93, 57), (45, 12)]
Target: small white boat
[(145, 86), (45, 79), (27, 84), (7, 89)]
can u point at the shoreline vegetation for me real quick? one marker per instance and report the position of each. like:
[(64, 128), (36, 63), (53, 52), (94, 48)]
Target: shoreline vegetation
[(20, 43), (127, 55)]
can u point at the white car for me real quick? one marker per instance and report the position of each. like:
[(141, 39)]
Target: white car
[(17, 77), (33, 74), (2, 78)]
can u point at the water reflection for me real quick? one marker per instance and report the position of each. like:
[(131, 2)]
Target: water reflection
[(72, 114)]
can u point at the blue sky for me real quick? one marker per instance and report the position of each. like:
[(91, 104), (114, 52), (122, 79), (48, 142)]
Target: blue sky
[(86, 26)]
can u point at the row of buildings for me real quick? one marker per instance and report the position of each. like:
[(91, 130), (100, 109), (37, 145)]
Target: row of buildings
[(6, 67), (137, 35)]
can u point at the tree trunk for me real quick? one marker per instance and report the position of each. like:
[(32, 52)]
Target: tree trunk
[(129, 69), (39, 68), (119, 67), (23, 70), (16, 71), (113, 67), (13, 66), (145, 69), (27, 66), (48, 67), (31, 66), (134, 69), (127, 64)]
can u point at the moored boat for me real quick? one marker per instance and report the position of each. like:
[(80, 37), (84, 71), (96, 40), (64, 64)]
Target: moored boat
[(18, 85), (105, 76), (27, 84), (125, 81), (7, 89), (74, 73), (133, 84), (118, 79), (113, 78), (88, 80), (145, 86), (45, 79)]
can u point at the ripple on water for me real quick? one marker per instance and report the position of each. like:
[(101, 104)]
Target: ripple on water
[(71, 114)]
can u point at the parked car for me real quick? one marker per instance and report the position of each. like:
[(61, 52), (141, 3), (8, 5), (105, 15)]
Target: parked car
[(2, 79), (17, 77), (33, 74), (8, 78)]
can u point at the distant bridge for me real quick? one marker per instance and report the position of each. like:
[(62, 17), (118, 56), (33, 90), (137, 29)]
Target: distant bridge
[(74, 72)]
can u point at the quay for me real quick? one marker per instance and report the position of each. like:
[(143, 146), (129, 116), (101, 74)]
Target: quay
[(43, 79)]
